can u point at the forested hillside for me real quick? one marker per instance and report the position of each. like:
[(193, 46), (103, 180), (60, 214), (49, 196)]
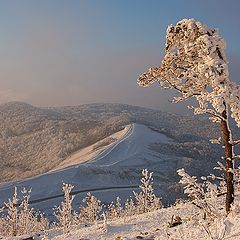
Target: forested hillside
[(35, 140)]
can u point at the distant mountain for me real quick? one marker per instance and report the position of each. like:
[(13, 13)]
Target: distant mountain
[(35, 140)]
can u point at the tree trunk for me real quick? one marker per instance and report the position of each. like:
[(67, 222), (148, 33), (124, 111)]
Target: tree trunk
[(229, 161)]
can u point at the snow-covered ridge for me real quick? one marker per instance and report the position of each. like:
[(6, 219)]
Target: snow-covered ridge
[(111, 171), (115, 172), (116, 167), (93, 151), (35, 140)]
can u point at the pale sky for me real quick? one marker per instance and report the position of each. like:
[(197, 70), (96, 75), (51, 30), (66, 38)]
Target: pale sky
[(72, 52)]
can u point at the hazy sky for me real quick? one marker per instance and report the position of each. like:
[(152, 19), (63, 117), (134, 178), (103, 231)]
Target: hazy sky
[(66, 52)]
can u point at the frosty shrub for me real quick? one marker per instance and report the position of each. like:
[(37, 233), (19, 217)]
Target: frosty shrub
[(90, 213), (9, 222), (200, 192), (27, 221), (114, 209), (146, 200), (18, 219), (129, 207), (196, 66), (64, 213)]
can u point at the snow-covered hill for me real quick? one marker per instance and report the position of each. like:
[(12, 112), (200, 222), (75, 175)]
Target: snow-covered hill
[(112, 172), (35, 140), (111, 167)]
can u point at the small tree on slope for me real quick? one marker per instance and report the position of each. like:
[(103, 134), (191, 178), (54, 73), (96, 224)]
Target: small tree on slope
[(64, 213), (18, 218), (90, 212), (196, 66), (146, 200)]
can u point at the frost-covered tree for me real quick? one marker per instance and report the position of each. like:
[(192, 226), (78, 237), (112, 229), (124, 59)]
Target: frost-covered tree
[(11, 220), (146, 200), (26, 218), (196, 66), (64, 213), (18, 218)]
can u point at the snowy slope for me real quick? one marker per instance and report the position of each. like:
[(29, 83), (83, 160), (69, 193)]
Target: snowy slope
[(155, 225), (118, 165), (115, 172)]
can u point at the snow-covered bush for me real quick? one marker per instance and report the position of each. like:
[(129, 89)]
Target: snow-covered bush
[(114, 209), (129, 207), (199, 192), (146, 200), (10, 222), (90, 213), (29, 220), (18, 218), (64, 213), (193, 189)]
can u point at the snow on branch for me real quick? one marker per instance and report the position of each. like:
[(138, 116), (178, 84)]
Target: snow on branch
[(195, 64), (235, 142), (216, 141)]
